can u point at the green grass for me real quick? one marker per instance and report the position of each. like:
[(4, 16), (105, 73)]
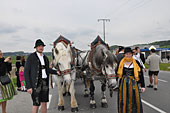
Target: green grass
[(14, 58), (167, 46), (163, 66)]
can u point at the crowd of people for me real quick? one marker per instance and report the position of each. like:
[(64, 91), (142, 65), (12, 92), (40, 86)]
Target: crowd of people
[(33, 77)]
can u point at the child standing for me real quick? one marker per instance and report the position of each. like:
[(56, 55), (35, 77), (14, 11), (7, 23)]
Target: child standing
[(22, 79)]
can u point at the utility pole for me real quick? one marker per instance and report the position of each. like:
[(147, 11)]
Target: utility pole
[(104, 20)]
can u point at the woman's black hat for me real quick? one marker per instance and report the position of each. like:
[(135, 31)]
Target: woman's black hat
[(39, 42), (127, 50)]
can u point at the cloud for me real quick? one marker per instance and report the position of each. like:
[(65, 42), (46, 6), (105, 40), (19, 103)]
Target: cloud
[(159, 33), (21, 23), (6, 28)]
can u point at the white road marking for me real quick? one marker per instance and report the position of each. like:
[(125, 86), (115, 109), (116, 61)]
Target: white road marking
[(159, 79), (153, 107), (53, 84), (48, 104)]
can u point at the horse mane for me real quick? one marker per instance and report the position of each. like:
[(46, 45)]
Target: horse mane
[(110, 59), (99, 60)]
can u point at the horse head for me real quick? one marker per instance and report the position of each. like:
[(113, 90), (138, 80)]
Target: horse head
[(109, 66), (109, 63), (62, 60)]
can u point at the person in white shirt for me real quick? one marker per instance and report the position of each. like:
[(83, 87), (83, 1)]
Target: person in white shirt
[(136, 56)]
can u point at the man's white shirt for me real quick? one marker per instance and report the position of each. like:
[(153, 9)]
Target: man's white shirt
[(41, 57), (137, 57)]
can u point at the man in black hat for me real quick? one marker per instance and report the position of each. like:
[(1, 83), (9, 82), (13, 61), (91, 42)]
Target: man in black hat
[(37, 77), (119, 56)]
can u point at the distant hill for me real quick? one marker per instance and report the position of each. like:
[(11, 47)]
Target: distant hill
[(21, 53), (162, 44), (113, 47)]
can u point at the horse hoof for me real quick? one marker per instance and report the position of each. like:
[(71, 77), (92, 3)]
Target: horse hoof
[(93, 106), (74, 109), (104, 105), (67, 94), (86, 95), (64, 94), (60, 108)]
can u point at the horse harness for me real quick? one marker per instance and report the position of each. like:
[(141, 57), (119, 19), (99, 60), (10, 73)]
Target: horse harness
[(64, 72), (108, 76), (83, 60)]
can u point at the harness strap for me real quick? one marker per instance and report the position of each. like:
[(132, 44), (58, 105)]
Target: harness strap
[(65, 72), (111, 76)]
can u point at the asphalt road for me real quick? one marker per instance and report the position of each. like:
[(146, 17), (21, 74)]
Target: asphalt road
[(153, 101)]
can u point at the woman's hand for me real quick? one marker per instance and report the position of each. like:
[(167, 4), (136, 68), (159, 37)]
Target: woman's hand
[(142, 90), (8, 59)]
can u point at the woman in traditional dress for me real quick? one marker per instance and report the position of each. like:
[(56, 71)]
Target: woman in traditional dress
[(6, 91), (129, 100)]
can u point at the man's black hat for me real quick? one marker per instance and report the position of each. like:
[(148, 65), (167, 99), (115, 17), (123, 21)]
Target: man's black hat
[(121, 48), (127, 50), (39, 42)]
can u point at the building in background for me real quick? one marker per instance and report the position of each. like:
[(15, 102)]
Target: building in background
[(145, 49)]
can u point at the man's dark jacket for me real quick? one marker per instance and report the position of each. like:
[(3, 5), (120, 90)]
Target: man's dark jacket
[(142, 57), (31, 71), (120, 56)]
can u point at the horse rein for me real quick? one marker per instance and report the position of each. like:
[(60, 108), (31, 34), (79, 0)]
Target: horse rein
[(64, 72), (109, 76)]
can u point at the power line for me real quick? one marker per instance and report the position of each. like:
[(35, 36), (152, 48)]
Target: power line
[(118, 8), (137, 5)]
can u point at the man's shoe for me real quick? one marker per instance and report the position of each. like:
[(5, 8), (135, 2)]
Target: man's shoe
[(155, 89), (150, 86)]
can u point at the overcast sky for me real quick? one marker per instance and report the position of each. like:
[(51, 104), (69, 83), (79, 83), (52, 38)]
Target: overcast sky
[(131, 22)]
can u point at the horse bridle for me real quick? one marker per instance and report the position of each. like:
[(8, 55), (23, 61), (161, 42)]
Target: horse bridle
[(64, 72), (109, 76)]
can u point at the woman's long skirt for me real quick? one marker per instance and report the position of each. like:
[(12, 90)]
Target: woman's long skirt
[(129, 100), (7, 92)]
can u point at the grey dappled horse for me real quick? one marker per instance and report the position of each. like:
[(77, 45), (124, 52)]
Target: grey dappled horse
[(102, 64)]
